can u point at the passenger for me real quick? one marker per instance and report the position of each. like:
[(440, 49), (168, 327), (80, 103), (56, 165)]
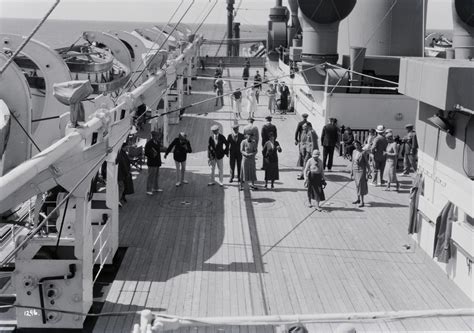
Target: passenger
[(267, 128), (248, 149), (378, 150), (251, 128), (348, 141), (329, 138), (153, 161), (216, 150), (271, 93), (246, 72), (391, 154), (124, 176), (219, 88), (251, 102), (367, 147), (299, 128), (182, 147), (270, 159), (284, 96), (307, 144), (236, 98), (314, 180), (360, 172), (235, 156), (257, 83), (410, 151), (203, 63)]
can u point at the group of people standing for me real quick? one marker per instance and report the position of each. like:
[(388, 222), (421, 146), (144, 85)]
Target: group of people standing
[(241, 148)]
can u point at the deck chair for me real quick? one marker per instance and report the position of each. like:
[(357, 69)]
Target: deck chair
[(135, 154)]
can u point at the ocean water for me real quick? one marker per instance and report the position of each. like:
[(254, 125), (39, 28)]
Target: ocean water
[(60, 33)]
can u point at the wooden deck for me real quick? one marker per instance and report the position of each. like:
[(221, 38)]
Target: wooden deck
[(210, 251)]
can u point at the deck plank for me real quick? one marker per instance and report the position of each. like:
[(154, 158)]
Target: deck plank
[(234, 253)]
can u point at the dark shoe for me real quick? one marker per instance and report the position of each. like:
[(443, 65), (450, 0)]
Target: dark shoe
[(300, 177), (273, 186), (231, 180), (356, 202), (361, 205)]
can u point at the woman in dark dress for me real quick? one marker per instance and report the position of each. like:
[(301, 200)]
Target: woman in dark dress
[(284, 94), (314, 179), (360, 172), (270, 160)]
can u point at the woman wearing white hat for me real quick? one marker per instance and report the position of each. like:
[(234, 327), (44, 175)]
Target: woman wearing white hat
[(378, 150)]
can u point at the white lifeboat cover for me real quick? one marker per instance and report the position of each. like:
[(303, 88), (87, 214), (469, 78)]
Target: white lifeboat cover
[(72, 92)]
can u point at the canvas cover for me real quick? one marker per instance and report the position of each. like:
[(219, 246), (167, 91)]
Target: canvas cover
[(72, 93)]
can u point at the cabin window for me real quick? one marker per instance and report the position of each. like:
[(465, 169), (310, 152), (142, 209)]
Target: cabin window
[(122, 114), (469, 220)]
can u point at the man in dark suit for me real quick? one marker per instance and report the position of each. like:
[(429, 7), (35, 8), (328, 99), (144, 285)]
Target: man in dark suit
[(329, 138), (266, 129), (153, 161), (299, 128), (235, 156), (217, 148)]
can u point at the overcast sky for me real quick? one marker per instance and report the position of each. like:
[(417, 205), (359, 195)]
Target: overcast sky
[(252, 11)]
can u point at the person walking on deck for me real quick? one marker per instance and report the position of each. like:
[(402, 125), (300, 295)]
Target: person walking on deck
[(268, 128), (391, 155), (314, 180), (216, 150), (257, 83), (284, 92), (181, 148), (246, 72), (299, 128), (270, 151), (251, 102), (219, 88), (124, 175), (271, 93), (248, 149), (329, 138), (308, 142), (153, 161), (410, 150), (235, 156), (236, 98), (360, 172), (378, 150)]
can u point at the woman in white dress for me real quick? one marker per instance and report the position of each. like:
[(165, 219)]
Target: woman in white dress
[(251, 102)]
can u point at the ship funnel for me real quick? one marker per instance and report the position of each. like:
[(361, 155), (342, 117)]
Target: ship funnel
[(320, 22), (357, 57), (463, 37)]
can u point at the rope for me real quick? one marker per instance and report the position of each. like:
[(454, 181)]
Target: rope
[(224, 95), (142, 62), (45, 17), (25, 131)]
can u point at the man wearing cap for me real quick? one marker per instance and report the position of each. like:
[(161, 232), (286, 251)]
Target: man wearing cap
[(251, 128), (329, 138), (378, 148), (153, 161), (266, 129), (216, 150), (410, 150), (299, 128), (235, 156)]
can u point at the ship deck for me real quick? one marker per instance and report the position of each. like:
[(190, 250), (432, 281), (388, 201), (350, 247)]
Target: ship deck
[(205, 251)]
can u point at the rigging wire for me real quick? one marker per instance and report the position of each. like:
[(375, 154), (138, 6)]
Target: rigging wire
[(161, 46), (25, 131), (142, 62), (27, 39), (226, 94)]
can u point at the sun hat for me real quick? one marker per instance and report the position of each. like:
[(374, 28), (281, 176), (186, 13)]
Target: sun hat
[(380, 129)]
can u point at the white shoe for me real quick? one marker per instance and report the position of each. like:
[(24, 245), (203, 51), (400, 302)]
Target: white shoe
[(158, 190), (149, 193), (178, 184), (185, 182), (211, 184), (220, 183)]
